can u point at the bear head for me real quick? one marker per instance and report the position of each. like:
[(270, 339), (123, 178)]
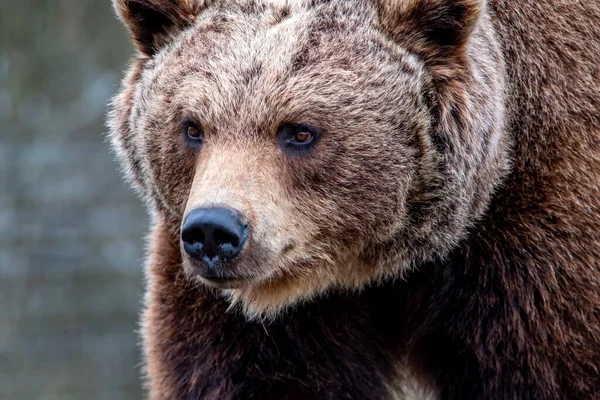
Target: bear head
[(301, 146)]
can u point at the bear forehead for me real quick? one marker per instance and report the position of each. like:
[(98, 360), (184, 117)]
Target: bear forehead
[(271, 33), (238, 59)]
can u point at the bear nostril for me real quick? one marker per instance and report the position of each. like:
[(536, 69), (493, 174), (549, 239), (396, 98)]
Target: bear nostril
[(192, 235), (222, 237), (210, 233)]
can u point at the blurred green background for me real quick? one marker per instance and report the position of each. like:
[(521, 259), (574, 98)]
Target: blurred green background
[(71, 248)]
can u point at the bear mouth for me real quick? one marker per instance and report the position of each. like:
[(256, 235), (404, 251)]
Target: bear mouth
[(221, 282), (216, 277), (215, 274)]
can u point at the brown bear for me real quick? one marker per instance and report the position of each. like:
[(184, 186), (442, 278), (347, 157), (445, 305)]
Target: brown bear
[(367, 199)]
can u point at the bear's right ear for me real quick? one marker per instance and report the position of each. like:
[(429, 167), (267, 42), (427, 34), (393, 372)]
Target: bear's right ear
[(152, 22)]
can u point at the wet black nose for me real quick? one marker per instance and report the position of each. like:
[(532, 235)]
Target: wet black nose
[(213, 234)]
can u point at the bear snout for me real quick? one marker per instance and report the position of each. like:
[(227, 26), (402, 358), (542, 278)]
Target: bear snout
[(211, 237)]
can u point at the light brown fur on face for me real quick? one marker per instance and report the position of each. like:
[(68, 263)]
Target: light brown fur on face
[(377, 195), (443, 230)]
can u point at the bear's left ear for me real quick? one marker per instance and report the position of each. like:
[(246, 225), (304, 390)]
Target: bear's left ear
[(434, 29), (152, 22)]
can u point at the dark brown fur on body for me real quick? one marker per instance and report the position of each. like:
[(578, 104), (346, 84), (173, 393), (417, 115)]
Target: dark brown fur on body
[(513, 311)]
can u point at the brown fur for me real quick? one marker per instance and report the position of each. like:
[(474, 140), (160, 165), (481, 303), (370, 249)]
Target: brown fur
[(422, 105)]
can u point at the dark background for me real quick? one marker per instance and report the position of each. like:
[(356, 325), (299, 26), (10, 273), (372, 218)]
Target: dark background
[(71, 232)]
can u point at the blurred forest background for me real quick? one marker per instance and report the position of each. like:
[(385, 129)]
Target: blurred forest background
[(71, 247)]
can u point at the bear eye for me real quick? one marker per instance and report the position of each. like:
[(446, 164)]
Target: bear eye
[(193, 132), (297, 137), (302, 137)]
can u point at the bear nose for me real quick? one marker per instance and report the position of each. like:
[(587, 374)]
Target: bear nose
[(210, 234)]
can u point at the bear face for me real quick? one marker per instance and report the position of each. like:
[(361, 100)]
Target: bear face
[(347, 144)]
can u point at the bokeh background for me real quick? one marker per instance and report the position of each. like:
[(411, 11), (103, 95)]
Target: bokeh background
[(71, 232)]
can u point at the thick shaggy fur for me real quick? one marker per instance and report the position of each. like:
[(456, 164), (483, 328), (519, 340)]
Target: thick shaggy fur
[(444, 232)]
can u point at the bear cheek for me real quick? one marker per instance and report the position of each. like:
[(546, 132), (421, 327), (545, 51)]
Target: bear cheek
[(357, 194), (171, 168)]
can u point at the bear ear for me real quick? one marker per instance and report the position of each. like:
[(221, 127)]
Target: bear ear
[(434, 29), (152, 22)]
